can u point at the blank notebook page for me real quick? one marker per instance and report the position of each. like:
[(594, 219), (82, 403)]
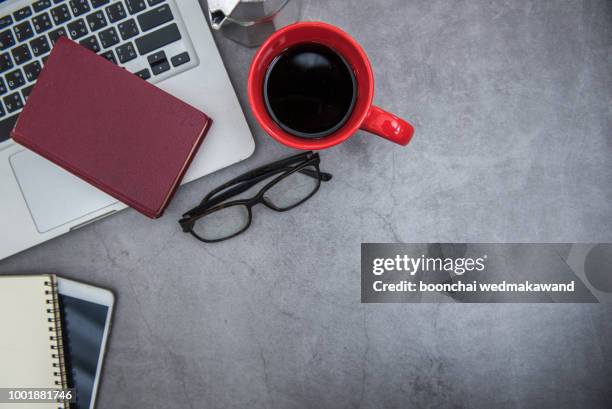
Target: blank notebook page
[(27, 319)]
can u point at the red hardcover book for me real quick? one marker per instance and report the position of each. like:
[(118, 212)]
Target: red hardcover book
[(110, 128)]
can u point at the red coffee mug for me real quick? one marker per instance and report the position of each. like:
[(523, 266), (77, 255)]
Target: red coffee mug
[(364, 116)]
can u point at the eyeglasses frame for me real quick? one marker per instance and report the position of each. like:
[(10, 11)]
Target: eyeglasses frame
[(288, 166)]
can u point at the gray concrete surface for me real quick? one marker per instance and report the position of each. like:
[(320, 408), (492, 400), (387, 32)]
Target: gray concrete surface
[(512, 103)]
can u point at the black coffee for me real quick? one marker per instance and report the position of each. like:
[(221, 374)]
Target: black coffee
[(309, 90)]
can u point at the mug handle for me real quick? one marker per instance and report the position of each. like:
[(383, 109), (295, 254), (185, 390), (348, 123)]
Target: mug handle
[(388, 126)]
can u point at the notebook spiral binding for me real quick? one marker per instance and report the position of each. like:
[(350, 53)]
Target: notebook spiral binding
[(55, 330)]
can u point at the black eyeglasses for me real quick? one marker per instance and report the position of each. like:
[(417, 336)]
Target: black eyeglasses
[(297, 179)]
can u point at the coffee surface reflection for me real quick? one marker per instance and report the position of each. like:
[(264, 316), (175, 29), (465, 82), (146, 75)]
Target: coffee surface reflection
[(309, 90)]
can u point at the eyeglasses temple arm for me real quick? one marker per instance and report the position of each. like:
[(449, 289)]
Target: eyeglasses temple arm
[(243, 187), (260, 171), (236, 190), (324, 176)]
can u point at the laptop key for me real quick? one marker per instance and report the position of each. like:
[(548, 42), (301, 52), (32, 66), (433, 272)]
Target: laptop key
[(13, 102), (42, 22), (40, 46), (26, 91), (156, 57), (160, 67), (60, 14), (77, 28), (144, 74), (6, 126), (32, 70), (22, 13), (79, 7), (41, 5), (158, 39), (159, 63), (108, 37), (14, 79), (155, 17), (182, 58), (23, 31), (6, 39), (21, 54), (135, 6), (98, 3), (128, 29), (110, 56), (126, 52), (91, 43), (96, 20), (5, 62), (56, 34), (6, 21), (3, 88), (116, 12), (154, 2)]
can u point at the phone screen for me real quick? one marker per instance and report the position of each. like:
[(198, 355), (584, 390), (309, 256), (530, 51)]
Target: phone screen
[(83, 327)]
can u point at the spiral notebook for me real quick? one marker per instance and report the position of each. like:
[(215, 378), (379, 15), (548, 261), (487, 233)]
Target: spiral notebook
[(31, 352)]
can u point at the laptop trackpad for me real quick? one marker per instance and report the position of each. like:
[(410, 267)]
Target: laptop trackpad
[(54, 196)]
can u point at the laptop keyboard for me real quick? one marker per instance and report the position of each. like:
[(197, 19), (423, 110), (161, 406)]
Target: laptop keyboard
[(143, 36)]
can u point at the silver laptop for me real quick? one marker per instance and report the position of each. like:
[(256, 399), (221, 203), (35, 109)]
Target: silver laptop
[(166, 42)]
